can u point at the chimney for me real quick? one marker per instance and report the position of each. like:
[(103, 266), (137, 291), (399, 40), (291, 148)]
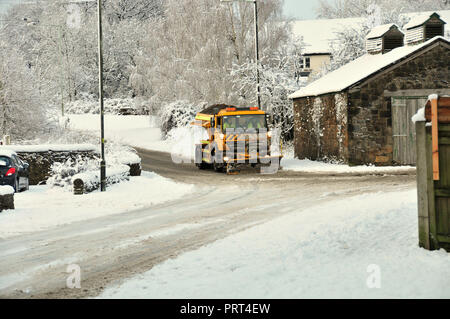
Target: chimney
[(424, 27), (384, 38)]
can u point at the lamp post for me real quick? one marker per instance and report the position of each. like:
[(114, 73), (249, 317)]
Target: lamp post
[(258, 87), (102, 116), (100, 93)]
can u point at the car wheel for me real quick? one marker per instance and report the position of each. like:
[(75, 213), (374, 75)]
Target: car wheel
[(16, 185)]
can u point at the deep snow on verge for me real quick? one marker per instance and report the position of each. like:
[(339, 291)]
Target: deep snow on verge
[(291, 164), (330, 251), (43, 207)]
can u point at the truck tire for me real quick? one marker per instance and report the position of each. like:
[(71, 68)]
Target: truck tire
[(217, 159), (199, 157)]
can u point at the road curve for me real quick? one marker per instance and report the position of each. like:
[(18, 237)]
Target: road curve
[(110, 249)]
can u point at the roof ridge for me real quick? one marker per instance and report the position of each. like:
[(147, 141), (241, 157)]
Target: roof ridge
[(359, 69)]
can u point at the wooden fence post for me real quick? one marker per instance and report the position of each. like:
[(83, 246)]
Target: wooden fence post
[(422, 185)]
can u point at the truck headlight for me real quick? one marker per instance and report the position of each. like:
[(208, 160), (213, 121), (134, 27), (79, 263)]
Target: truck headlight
[(225, 159)]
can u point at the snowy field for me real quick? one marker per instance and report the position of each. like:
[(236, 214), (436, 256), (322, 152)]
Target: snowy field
[(140, 131), (337, 250), (42, 207), (133, 130)]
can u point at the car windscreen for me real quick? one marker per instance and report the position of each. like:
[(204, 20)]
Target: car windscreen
[(4, 161), (244, 122)]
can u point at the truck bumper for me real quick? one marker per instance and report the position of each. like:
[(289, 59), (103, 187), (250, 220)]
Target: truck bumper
[(233, 166), (255, 160)]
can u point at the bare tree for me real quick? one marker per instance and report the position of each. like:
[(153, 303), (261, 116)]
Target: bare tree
[(356, 8)]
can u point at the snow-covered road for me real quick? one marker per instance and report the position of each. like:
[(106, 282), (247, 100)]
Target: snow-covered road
[(112, 248), (363, 246)]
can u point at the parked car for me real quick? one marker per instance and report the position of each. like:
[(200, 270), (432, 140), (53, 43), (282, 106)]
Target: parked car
[(13, 171)]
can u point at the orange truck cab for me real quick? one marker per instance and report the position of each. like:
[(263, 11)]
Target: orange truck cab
[(236, 137)]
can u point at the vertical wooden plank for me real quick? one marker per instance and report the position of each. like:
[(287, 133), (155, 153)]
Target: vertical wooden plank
[(411, 106), (422, 186), (442, 216), (404, 131), (435, 134), (401, 131), (395, 129), (430, 190)]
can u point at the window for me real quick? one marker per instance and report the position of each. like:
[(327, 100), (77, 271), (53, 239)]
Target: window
[(244, 122), (4, 161), (305, 62)]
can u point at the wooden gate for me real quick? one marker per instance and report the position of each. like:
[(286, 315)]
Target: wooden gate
[(403, 130), (433, 179)]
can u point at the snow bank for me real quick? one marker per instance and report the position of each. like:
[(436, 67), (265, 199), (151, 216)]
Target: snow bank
[(6, 190), (92, 178), (43, 207), (419, 116), (329, 251), (290, 164), (50, 147), (183, 140)]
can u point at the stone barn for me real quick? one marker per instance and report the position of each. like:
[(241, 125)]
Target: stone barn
[(361, 113)]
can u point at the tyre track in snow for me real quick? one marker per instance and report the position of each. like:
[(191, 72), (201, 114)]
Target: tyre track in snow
[(112, 248)]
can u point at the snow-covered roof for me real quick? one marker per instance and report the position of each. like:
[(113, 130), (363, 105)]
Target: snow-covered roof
[(359, 69), (381, 30), (318, 35), (7, 152), (419, 20)]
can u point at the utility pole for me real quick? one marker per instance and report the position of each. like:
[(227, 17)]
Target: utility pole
[(258, 87), (100, 92)]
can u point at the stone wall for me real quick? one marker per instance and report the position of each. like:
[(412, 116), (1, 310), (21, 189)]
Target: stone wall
[(321, 127), (369, 111), (41, 162), (356, 126)]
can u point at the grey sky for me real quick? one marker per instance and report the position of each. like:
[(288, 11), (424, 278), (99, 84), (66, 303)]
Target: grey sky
[(4, 4), (299, 9)]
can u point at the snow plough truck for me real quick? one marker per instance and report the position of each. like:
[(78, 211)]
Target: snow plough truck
[(236, 137)]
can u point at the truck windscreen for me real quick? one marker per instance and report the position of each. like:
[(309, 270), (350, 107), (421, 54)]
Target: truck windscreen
[(244, 121)]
